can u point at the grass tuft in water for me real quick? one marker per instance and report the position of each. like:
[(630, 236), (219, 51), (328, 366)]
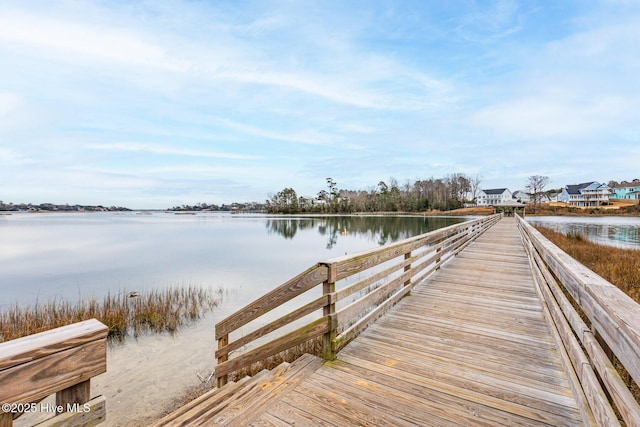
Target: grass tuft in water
[(125, 313)]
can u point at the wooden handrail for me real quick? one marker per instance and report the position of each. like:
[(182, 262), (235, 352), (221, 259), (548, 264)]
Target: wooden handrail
[(283, 293), (614, 324), (60, 361), (343, 309)]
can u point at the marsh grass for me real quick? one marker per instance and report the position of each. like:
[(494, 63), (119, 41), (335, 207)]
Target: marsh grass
[(125, 313), (619, 266)]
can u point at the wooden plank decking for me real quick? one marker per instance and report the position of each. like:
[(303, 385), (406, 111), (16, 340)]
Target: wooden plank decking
[(469, 346)]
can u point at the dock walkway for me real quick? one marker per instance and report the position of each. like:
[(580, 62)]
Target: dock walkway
[(471, 345)]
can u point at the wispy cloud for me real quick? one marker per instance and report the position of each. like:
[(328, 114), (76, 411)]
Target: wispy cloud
[(70, 40), (551, 116), (489, 21), (577, 88), (166, 151), (9, 102), (177, 96), (359, 80)]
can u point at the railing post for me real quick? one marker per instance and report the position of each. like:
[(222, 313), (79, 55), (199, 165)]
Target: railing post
[(407, 268), (223, 342), (329, 312), (439, 259), (77, 394), (603, 343), (6, 419)]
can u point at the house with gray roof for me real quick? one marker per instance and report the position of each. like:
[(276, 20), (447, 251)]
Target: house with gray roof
[(586, 194), (627, 190), (493, 197)]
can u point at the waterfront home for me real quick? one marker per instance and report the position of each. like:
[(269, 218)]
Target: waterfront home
[(521, 196), (627, 190), (586, 194), (552, 196), (494, 196)]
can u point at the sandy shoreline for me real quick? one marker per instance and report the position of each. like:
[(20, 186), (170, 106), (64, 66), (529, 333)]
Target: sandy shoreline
[(148, 377)]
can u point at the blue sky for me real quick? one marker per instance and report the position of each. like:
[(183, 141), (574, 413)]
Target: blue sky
[(151, 104)]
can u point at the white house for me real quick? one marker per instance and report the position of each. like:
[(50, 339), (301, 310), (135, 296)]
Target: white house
[(521, 196), (552, 196), (586, 194), (494, 197)]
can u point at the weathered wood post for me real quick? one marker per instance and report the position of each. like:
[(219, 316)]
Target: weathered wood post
[(439, 256), (329, 312), (78, 394), (407, 268), (223, 341), (6, 419)]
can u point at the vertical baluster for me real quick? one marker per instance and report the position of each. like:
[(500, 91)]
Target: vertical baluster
[(407, 268), (223, 342), (6, 419), (79, 393), (329, 311)]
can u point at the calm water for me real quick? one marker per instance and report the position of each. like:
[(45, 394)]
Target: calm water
[(611, 230), (44, 256)]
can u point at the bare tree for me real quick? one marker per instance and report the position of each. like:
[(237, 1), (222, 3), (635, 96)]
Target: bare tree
[(535, 188), (474, 184)]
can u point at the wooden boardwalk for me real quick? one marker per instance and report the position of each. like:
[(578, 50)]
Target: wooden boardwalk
[(471, 345)]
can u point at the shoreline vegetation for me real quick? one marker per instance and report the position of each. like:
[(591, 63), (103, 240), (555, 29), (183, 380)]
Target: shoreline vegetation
[(553, 209), (125, 313), (614, 208), (619, 266)]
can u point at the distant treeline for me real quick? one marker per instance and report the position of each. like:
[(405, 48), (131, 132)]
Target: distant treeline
[(51, 207), (450, 192), (233, 207)]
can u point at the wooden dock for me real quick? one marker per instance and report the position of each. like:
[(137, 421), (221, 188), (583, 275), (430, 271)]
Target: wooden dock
[(471, 345), (471, 325)]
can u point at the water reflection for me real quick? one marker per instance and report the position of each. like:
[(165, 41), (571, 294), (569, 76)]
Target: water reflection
[(379, 229), (614, 231), (79, 256)]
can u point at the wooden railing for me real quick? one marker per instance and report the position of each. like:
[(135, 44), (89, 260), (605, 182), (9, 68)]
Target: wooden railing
[(60, 361), (606, 335), (351, 292)]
